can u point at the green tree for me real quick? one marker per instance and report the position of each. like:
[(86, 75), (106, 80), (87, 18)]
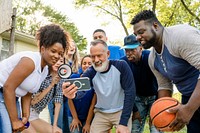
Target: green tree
[(169, 12), (111, 7), (31, 14), (56, 17)]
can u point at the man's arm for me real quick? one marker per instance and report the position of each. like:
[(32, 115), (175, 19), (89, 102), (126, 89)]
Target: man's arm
[(164, 93), (128, 85), (185, 112), (193, 99)]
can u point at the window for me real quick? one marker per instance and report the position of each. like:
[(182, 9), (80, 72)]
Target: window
[(5, 49)]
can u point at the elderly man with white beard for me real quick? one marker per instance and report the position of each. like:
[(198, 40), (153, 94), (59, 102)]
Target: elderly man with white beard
[(114, 86)]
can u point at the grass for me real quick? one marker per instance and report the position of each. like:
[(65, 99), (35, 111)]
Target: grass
[(146, 128)]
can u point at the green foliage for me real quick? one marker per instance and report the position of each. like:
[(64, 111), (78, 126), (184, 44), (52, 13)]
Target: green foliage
[(175, 13), (112, 7), (56, 17), (169, 12), (32, 14)]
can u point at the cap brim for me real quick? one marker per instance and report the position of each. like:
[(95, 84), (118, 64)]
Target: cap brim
[(131, 46)]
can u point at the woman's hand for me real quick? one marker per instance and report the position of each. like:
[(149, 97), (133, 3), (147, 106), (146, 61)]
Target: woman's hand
[(18, 125)]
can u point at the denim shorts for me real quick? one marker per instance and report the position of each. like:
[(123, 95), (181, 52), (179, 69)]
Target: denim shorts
[(33, 115)]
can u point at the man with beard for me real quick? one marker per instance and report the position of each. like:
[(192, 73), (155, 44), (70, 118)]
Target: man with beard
[(145, 82), (175, 58), (115, 89)]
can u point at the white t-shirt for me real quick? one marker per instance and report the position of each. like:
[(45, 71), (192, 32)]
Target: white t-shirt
[(32, 82)]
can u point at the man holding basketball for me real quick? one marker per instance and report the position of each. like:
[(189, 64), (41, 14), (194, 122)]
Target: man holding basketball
[(175, 58)]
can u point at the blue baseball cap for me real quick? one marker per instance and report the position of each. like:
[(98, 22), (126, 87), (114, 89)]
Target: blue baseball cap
[(130, 42)]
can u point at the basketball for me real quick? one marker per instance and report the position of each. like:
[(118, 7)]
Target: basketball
[(160, 118)]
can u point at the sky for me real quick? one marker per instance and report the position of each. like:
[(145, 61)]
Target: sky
[(87, 20)]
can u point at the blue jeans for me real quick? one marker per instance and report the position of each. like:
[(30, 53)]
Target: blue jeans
[(5, 124), (76, 130), (62, 121), (65, 116), (143, 104)]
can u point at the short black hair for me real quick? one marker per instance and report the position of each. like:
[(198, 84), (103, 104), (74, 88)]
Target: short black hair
[(99, 30), (50, 34), (146, 15)]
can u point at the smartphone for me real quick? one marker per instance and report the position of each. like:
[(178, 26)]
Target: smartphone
[(82, 83)]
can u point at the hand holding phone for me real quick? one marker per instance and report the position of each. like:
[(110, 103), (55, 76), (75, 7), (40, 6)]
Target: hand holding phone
[(82, 83)]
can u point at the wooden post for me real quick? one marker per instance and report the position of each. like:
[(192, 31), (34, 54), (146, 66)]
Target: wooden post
[(12, 33)]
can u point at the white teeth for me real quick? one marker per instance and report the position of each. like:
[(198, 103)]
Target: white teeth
[(142, 42)]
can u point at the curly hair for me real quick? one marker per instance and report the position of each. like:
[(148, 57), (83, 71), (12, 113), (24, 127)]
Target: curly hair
[(50, 34), (147, 15)]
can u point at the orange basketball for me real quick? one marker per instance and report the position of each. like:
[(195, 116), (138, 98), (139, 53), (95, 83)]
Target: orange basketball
[(160, 118)]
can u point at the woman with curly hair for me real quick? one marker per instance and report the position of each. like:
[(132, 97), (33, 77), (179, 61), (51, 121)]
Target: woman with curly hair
[(22, 74)]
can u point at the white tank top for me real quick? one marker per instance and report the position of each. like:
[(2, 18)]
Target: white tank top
[(32, 82)]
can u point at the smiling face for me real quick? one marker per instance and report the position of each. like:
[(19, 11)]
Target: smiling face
[(145, 34), (86, 63), (51, 54), (99, 54)]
